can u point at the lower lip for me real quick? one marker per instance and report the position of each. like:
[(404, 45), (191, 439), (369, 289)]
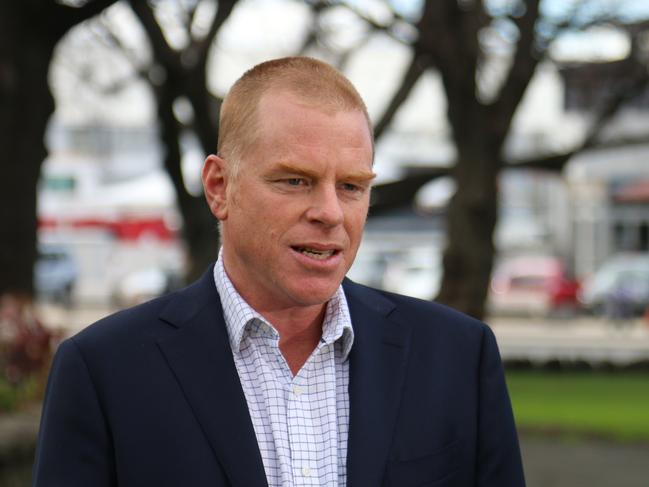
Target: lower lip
[(330, 263)]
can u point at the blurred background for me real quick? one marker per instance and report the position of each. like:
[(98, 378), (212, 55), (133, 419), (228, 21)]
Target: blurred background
[(512, 152)]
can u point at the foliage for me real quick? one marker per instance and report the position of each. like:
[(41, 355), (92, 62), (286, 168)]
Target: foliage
[(25, 352), (14, 396), (607, 404)]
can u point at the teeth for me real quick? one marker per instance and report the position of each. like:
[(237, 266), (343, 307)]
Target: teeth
[(317, 254)]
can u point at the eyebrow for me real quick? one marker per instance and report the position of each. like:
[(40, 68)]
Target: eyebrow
[(357, 176)]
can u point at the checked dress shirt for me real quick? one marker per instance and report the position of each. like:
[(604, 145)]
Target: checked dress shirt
[(301, 422)]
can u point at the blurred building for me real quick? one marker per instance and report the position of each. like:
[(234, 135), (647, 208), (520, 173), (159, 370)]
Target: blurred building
[(106, 159), (608, 185), (105, 201)]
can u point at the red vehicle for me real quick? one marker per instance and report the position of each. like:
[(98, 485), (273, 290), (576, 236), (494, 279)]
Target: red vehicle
[(533, 285)]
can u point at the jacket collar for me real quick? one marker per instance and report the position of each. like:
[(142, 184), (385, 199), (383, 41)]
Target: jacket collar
[(200, 357)]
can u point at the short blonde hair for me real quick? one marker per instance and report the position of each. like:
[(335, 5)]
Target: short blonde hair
[(313, 81)]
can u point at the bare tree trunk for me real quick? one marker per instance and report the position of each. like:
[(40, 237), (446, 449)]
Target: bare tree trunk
[(471, 219), (29, 31), (199, 228), (25, 107), (449, 31)]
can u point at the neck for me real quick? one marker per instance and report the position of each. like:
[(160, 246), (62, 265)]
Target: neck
[(299, 332), (299, 327)]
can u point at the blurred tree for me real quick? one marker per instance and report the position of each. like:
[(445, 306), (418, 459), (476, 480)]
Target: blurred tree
[(29, 32), (453, 37), (180, 37), (486, 54), (175, 74)]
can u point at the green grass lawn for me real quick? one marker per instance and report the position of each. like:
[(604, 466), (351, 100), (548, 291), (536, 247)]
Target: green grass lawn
[(607, 404)]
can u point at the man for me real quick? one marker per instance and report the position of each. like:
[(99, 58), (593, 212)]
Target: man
[(268, 371)]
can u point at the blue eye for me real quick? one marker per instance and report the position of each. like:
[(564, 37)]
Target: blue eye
[(350, 187), (295, 181)]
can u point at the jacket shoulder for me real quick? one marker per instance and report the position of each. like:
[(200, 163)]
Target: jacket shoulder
[(418, 313), (151, 320), (122, 325)]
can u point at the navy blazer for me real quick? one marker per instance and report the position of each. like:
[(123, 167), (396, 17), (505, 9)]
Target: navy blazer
[(150, 397)]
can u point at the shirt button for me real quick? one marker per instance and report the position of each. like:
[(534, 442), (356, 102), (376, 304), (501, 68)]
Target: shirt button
[(297, 390), (306, 471)]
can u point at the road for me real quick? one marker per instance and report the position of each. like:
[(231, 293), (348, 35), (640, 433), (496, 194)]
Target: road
[(553, 462)]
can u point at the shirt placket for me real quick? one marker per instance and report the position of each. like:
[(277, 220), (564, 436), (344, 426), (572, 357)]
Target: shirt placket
[(298, 445), (278, 413), (304, 453)]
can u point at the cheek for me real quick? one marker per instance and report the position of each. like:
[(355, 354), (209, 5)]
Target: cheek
[(356, 222), (273, 234), (271, 224)]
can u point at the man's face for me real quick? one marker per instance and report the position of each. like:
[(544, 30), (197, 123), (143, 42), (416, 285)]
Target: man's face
[(293, 218)]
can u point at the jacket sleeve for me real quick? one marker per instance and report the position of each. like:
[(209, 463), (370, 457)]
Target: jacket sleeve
[(498, 456), (74, 444)]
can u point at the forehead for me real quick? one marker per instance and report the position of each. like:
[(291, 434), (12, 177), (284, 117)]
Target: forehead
[(288, 122)]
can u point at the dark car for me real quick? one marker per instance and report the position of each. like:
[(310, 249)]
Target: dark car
[(55, 273)]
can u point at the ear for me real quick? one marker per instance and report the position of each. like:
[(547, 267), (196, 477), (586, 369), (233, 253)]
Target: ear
[(215, 181)]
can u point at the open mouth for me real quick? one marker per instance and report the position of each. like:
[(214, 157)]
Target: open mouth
[(315, 253)]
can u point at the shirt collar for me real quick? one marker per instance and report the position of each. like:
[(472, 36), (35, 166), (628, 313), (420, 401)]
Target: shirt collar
[(240, 316)]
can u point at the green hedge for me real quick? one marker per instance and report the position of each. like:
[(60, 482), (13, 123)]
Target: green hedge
[(14, 396)]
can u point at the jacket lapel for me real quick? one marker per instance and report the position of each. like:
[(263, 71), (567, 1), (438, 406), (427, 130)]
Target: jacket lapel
[(377, 371), (200, 357)]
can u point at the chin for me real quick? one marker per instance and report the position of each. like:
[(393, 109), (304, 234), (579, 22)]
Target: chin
[(311, 295)]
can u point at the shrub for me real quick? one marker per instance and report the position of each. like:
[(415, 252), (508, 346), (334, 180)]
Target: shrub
[(25, 352)]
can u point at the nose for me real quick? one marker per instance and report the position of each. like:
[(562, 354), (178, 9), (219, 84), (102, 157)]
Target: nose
[(325, 207)]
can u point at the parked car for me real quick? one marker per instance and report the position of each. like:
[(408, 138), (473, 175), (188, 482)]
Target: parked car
[(144, 284), (55, 273), (415, 271), (532, 285), (620, 285)]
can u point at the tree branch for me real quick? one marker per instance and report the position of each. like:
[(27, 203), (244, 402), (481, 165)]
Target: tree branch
[(473, 19), (438, 26), (190, 17), (391, 195), (521, 71), (388, 29), (310, 40), (111, 40), (222, 14), (162, 51), (400, 193), (65, 16), (416, 69), (442, 35), (557, 162), (169, 134), (629, 89)]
